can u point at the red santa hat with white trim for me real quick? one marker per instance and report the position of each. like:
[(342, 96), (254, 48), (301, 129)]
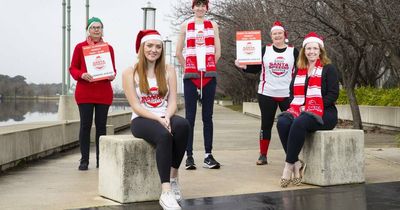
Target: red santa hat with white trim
[(278, 26), (313, 37), (146, 35)]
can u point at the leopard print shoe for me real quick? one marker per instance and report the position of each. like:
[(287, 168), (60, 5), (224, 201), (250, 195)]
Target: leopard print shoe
[(297, 180), (285, 182)]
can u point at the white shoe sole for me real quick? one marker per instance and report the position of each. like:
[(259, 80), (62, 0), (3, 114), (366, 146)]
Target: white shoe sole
[(178, 200), (191, 167), (169, 208), (211, 167)]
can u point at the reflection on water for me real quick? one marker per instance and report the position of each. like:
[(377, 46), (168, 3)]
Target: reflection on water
[(22, 111)]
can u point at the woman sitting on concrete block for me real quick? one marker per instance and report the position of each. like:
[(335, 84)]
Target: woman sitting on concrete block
[(315, 91), (150, 87)]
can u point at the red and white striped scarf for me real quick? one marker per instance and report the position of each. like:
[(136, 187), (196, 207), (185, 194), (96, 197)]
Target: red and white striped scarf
[(313, 100), (191, 70)]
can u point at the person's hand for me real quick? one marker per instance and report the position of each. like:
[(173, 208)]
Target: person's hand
[(242, 66), (167, 120), (111, 78), (87, 77), (164, 121)]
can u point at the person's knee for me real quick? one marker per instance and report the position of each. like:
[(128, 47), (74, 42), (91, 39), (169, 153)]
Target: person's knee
[(283, 122), (101, 126), (164, 138), (267, 124), (207, 117), (301, 122), (207, 121), (190, 116), (183, 125), (86, 125)]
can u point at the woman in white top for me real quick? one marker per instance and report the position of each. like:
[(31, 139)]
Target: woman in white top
[(150, 87), (275, 86)]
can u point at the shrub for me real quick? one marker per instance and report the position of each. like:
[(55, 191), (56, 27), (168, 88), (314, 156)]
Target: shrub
[(373, 96)]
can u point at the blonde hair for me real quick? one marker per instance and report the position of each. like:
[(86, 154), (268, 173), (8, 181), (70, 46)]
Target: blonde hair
[(302, 61), (141, 69)]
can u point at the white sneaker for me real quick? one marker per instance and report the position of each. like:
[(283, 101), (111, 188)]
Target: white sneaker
[(168, 202), (176, 189)]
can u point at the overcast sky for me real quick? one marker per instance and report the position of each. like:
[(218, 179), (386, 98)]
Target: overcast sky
[(31, 33)]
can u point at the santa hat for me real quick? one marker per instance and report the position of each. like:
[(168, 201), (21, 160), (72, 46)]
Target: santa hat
[(278, 26), (146, 35), (313, 37), (193, 4)]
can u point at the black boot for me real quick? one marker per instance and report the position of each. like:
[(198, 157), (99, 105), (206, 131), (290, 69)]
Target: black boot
[(83, 166)]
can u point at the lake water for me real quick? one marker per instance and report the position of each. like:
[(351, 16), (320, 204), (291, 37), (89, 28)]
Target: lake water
[(23, 111)]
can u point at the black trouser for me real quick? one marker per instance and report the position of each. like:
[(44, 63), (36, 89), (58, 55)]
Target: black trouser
[(292, 132), (268, 108), (170, 147), (100, 120), (207, 109)]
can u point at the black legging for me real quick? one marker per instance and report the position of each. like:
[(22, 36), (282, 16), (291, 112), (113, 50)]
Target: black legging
[(100, 120), (268, 108), (169, 148)]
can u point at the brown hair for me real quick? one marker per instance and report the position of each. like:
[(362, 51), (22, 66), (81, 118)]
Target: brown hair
[(198, 2), (302, 61), (160, 72)]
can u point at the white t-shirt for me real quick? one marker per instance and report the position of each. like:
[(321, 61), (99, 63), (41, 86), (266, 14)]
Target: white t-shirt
[(276, 74), (152, 102)]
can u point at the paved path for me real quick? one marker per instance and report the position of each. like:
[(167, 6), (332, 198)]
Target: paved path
[(55, 182)]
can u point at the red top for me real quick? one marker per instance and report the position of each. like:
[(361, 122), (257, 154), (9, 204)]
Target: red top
[(99, 92)]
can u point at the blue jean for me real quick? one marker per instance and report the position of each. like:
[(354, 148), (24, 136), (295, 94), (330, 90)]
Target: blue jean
[(292, 132), (207, 109)]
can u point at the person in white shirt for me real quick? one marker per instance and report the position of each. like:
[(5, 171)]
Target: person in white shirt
[(277, 70), (150, 87)]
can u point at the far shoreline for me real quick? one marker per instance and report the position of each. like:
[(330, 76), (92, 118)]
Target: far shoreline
[(43, 98)]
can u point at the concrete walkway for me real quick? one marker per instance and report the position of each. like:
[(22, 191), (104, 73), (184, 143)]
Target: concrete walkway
[(55, 182)]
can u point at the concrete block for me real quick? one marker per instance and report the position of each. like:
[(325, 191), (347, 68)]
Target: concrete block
[(67, 108), (46, 138), (128, 170), (13, 146), (119, 119), (251, 108), (71, 131), (334, 157), (225, 103), (382, 115), (109, 131), (376, 115)]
